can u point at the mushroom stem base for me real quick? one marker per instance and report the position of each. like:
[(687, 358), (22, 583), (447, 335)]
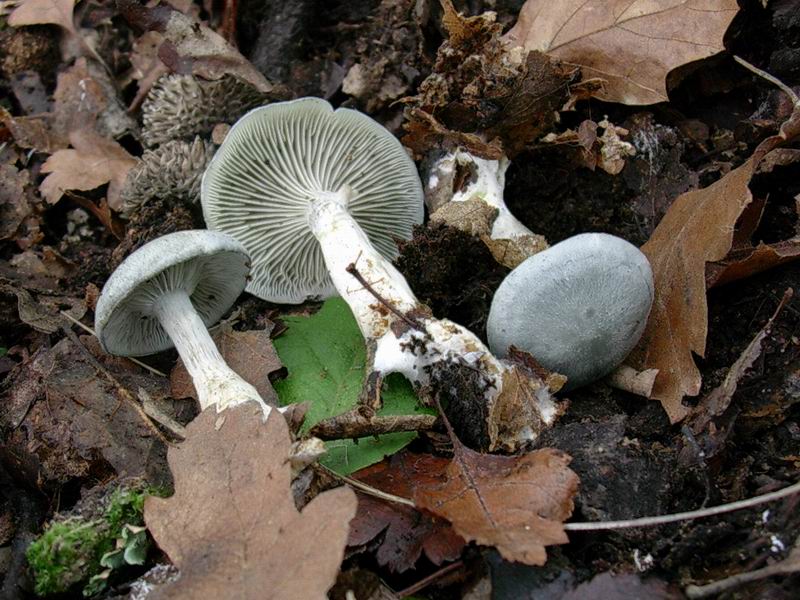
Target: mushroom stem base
[(215, 382)]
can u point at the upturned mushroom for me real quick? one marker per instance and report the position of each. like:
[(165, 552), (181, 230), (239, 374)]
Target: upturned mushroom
[(579, 307), (166, 294), (459, 181), (317, 197)]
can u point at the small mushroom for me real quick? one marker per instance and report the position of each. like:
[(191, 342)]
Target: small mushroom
[(579, 307), (167, 293), (318, 198), (459, 177)]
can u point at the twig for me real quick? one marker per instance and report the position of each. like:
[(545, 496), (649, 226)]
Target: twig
[(89, 330), (351, 268), (369, 490), (685, 516), (771, 78), (426, 581), (628, 524), (353, 425), (785, 567), (123, 391)]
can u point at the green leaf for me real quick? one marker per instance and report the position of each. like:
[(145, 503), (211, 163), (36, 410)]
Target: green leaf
[(326, 360)]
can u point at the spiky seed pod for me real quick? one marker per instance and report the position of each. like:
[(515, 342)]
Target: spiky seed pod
[(178, 107), (171, 171)]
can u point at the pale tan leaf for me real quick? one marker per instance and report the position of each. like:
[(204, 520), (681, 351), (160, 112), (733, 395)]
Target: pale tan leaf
[(93, 161), (232, 527), (631, 44), (698, 228), (44, 12)]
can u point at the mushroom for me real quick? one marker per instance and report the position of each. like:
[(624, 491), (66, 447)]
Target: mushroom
[(579, 307), (460, 177), (167, 293), (317, 197)]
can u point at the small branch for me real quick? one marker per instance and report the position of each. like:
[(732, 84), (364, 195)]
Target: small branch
[(631, 523), (89, 330), (771, 78), (785, 567), (685, 516), (123, 391), (369, 490), (354, 425), (426, 581), (351, 268)]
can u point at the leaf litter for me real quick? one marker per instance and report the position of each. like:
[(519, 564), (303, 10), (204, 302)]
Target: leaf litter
[(73, 418)]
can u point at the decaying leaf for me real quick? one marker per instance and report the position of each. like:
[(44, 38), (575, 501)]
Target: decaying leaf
[(14, 204), (749, 260), (698, 228), (484, 98), (407, 533), (93, 161), (80, 423), (248, 353), (630, 45), (514, 503), (44, 12), (190, 47), (716, 402), (232, 527)]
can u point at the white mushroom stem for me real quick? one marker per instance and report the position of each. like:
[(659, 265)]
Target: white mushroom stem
[(214, 381), (414, 344), (486, 182)]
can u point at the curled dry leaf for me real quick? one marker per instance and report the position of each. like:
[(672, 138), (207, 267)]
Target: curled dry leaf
[(93, 161), (698, 228), (484, 98), (631, 45), (749, 260), (232, 527)]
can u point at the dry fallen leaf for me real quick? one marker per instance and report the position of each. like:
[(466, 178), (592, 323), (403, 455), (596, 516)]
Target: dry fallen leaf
[(515, 503), (93, 161), (189, 47), (232, 527), (698, 228), (482, 97), (44, 12), (407, 533), (747, 261), (631, 45), (710, 434), (248, 353)]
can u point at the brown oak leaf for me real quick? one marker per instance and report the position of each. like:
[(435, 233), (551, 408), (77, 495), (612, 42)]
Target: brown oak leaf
[(630, 45), (515, 503), (698, 228), (407, 533), (93, 161), (232, 527), (44, 12), (248, 353)]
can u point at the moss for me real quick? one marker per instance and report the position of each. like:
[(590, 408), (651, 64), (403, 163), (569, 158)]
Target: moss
[(70, 550)]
